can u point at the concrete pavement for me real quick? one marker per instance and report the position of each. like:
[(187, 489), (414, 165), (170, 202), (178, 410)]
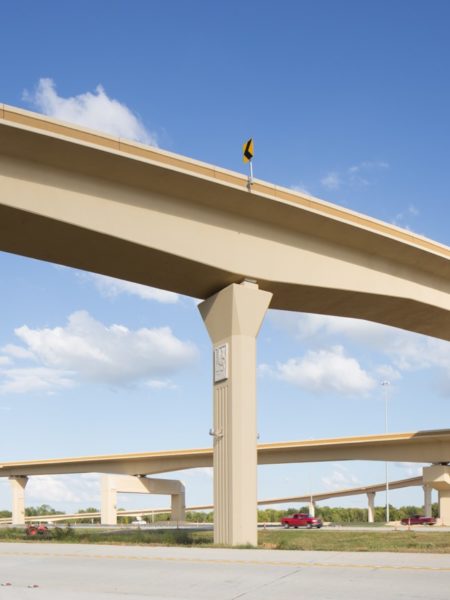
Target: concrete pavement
[(87, 572)]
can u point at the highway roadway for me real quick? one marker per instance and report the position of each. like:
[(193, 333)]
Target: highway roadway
[(61, 572)]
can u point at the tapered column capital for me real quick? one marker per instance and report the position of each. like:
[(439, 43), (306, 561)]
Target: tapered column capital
[(437, 476), (20, 479), (238, 309)]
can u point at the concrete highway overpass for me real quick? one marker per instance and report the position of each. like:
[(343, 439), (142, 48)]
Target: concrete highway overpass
[(420, 446), (106, 205), (311, 499), (355, 491)]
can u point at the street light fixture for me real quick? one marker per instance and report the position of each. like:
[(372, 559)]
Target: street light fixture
[(385, 385)]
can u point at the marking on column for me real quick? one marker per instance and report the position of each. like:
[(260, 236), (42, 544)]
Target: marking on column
[(220, 363)]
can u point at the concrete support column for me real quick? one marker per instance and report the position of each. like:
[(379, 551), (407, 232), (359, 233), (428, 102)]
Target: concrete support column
[(114, 484), (18, 485), (108, 511), (438, 477), (312, 508), (178, 507), (444, 506), (370, 507), (427, 489), (233, 318)]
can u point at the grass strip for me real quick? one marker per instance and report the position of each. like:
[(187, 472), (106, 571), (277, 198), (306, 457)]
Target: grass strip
[(340, 541)]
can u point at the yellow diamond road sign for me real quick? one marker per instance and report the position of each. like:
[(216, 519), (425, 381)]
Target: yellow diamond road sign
[(247, 150)]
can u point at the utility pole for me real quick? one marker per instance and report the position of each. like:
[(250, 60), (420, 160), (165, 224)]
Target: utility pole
[(385, 385)]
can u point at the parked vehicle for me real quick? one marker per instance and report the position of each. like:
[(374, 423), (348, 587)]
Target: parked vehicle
[(418, 520), (40, 530), (301, 520), (139, 522)]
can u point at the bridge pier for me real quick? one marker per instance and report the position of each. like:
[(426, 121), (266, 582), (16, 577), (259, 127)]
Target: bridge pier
[(233, 318), (312, 508), (108, 507), (114, 484), (438, 477), (18, 485), (427, 489), (370, 507)]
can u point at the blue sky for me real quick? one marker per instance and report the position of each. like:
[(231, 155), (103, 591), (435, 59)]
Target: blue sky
[(347, 101)]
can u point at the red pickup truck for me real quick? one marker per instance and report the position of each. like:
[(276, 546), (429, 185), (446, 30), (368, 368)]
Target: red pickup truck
[(301, 520), (418, 520)]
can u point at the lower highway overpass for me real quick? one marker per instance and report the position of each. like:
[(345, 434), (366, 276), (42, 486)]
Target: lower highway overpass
[(127, 472), (311, 499)]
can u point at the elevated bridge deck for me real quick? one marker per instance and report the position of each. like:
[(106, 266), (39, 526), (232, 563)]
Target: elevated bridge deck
[(421, 446)]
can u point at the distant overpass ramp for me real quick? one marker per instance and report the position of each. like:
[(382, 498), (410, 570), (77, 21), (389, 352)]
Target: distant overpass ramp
[(356, 491), (378, 487)]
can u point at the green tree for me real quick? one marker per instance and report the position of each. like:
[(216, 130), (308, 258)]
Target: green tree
[(44, 509)]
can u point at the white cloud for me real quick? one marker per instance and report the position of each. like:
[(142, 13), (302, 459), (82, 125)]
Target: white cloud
[(264, 369), (110, 287), (326, 370), (300, 188), (369, 164), (95, 110), (388, 373), (43, 379), (17, 351), (409, 352), (5, 360), (340, 478), (359, 175), (331, 181), (48, 489), (411, 469), (405, 351), (375, 336), (87, 350), (160, 384), (200, 472), (313, 327), (402, 219)]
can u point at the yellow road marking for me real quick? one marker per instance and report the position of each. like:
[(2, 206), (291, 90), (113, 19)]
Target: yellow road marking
[(273, 563)]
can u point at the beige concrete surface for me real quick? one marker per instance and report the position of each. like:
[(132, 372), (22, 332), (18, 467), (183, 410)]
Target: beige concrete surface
[(422, 446), (371, 507), (98, 203), (427, 500), (365, 489), (233, 318), (438, 477), (18, 485), (111, 485)]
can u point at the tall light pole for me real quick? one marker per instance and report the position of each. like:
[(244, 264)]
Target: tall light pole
[(385, 385)]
